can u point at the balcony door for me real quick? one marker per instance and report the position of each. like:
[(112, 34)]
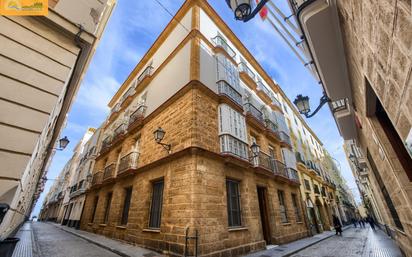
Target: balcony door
[(264, 215)]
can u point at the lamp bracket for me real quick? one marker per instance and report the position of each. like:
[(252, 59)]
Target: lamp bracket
[(323, 100), (168, 147)]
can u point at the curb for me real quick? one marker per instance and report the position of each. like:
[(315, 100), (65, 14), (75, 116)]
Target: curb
[(94, 242), (313, 243)]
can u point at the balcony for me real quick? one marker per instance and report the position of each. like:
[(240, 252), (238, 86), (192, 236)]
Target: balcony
[(130, 92), (263, 160), (118, 134), (280, 169), (97, 178), (267, 162), (109, 172), (78, 189), (136, 118), (263, 88), (285, 138), (128, 163), (299, 158), (229, 145), (275, 102), (243, 68), (221, 43), (115, 109), (293, 175), (255, 113), (272, 127), (106, 143), (147, 72), (227, 90)]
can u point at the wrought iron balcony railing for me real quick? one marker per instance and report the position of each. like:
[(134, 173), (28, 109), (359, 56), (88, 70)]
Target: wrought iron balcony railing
[(272, 126), (225, 89), (263, 88), (119, 131), (97, 178), (109, 171), (106, 144), (275, 101), (299, 158), (245, 69), (285, 137), (220, 42), (115, 108), (233, 146), (255, 112), (293, 174), (128, 162), (145, 73), (131, 91), (137, 116), (263, 160), (280, 168)]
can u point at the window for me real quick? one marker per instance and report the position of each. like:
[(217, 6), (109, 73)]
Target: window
[(96, 200), (232, 132), (232, 122), (227, 71), (307, 184), (156, 206), (316, 189), (282, 205), (107, 207), (233, 203), (386, 196), (126, 205), (298, 215)]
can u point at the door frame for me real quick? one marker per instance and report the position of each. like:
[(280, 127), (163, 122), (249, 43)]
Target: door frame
[(264, 213)]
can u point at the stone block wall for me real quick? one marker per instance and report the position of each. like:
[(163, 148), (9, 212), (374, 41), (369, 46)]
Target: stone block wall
[(378, 38), (194, 186)]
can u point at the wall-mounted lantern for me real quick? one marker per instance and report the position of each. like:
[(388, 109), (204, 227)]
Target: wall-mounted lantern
[(158, 137)]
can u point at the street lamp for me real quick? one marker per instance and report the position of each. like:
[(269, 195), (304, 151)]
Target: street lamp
[(243, 8), (158, 137), (302, 103), (63, 142), (255, 148)]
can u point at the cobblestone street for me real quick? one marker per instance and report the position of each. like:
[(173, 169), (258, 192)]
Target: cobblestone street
[(355, 242)]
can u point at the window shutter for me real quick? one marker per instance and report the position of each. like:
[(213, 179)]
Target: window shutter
[(290, 158), (232, 122)]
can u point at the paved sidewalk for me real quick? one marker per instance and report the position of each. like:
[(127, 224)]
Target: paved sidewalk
[(25, 247), (296, 246), (120, 248)]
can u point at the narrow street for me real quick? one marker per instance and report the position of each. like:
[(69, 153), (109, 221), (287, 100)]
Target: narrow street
[(355, 242), (54, 242)]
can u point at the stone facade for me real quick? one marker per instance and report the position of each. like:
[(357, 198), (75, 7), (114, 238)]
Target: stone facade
[(212, 114), (377, 39), (194, 176)]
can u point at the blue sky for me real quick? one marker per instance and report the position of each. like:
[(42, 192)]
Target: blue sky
[(132, 29)]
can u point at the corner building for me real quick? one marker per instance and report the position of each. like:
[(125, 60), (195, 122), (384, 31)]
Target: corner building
[(211, 97)]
